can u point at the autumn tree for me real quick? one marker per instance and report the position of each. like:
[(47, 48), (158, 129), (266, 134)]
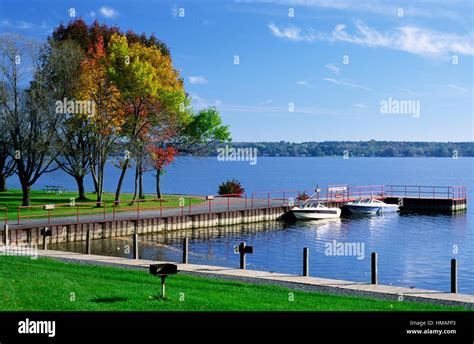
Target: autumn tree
[(105, 124), (151, 94)]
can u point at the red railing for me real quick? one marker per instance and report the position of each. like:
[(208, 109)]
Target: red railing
[(424, 191), (59, 210), (186, 204)]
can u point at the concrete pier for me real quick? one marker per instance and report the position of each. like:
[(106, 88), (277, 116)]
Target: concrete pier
[(324, 285), (71, 232)]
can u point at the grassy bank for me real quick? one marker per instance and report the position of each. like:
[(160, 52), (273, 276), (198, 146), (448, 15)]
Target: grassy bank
[(44, 284), (12, 200)]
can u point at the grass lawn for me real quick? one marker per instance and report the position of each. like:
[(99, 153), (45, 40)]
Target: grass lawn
[(12, 199), (49, 285)]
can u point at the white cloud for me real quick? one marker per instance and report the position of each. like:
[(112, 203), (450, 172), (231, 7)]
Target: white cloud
[(333, 68), (410, 39), (345, 83), (202, 103), (407, 91), (92, 14), (406, 38), (23, 25), (197, 80), (108, 12), (458, 88), (360, 106), (265, 102), (304, 83), (292, 33)]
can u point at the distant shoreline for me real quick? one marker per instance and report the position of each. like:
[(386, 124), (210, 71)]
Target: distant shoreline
[(348, 149)]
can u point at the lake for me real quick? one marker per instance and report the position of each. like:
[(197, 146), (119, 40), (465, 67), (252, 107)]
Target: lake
[(414, 250)]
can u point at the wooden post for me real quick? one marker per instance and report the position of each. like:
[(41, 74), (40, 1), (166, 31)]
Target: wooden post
[(305, 261), (163, 287), (45, 239), (135, 240), (6, 239), (242, 255), (185, 250), (454, 276), (88, 241), (374, 268)]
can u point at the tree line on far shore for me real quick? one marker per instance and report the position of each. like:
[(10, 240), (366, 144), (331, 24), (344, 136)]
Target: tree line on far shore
[(350, 149), (89, 94)]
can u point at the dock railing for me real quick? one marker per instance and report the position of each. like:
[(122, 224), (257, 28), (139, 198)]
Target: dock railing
[(425, 191), (188, 204)]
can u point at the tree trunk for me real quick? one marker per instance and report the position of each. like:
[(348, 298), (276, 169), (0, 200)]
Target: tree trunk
[(135, 189), (80, 187), (120, 182), (26, 199), (140, 183), (94, 178), (100, 184), (3, 183), (158, 191)]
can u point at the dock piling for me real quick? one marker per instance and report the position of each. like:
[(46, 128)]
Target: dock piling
[(135, 240), (88, 241), (305, 261), (6, 240), (373, 259), (454, 276), (185, 250)]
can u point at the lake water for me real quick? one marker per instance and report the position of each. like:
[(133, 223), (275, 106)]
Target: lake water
[(414, 250)]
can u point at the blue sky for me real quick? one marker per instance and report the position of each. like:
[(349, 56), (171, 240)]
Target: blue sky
[(291, 57)]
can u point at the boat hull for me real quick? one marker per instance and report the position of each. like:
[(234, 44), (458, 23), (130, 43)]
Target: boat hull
[(367, 209), (315, 214)]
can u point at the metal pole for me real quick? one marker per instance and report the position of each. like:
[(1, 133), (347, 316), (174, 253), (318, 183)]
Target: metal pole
[(88, 241), (6, 239), (454, 276), (185, 250), (163, 287), (305, 261), (135, 240), (242, 255), (374, 268), (45, 239)]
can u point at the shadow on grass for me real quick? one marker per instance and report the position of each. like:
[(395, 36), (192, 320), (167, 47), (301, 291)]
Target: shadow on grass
[(109, 299)]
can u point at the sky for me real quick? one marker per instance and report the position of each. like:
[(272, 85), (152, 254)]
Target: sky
[(303, 70)]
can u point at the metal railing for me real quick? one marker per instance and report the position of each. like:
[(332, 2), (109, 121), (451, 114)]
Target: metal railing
[(426, 191), (189, 204)]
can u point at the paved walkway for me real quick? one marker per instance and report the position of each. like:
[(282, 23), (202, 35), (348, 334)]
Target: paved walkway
[(295, 282), (217, 205)]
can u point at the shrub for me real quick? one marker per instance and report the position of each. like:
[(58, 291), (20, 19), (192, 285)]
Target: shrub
[(231, 187)]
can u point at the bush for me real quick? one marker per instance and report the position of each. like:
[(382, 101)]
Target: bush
[(232, 188)]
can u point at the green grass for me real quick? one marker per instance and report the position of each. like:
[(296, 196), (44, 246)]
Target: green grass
[(12, 199), (49, 285)]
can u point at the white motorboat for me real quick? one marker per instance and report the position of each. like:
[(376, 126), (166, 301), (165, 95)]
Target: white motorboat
[(371, 206), (315, 211)]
